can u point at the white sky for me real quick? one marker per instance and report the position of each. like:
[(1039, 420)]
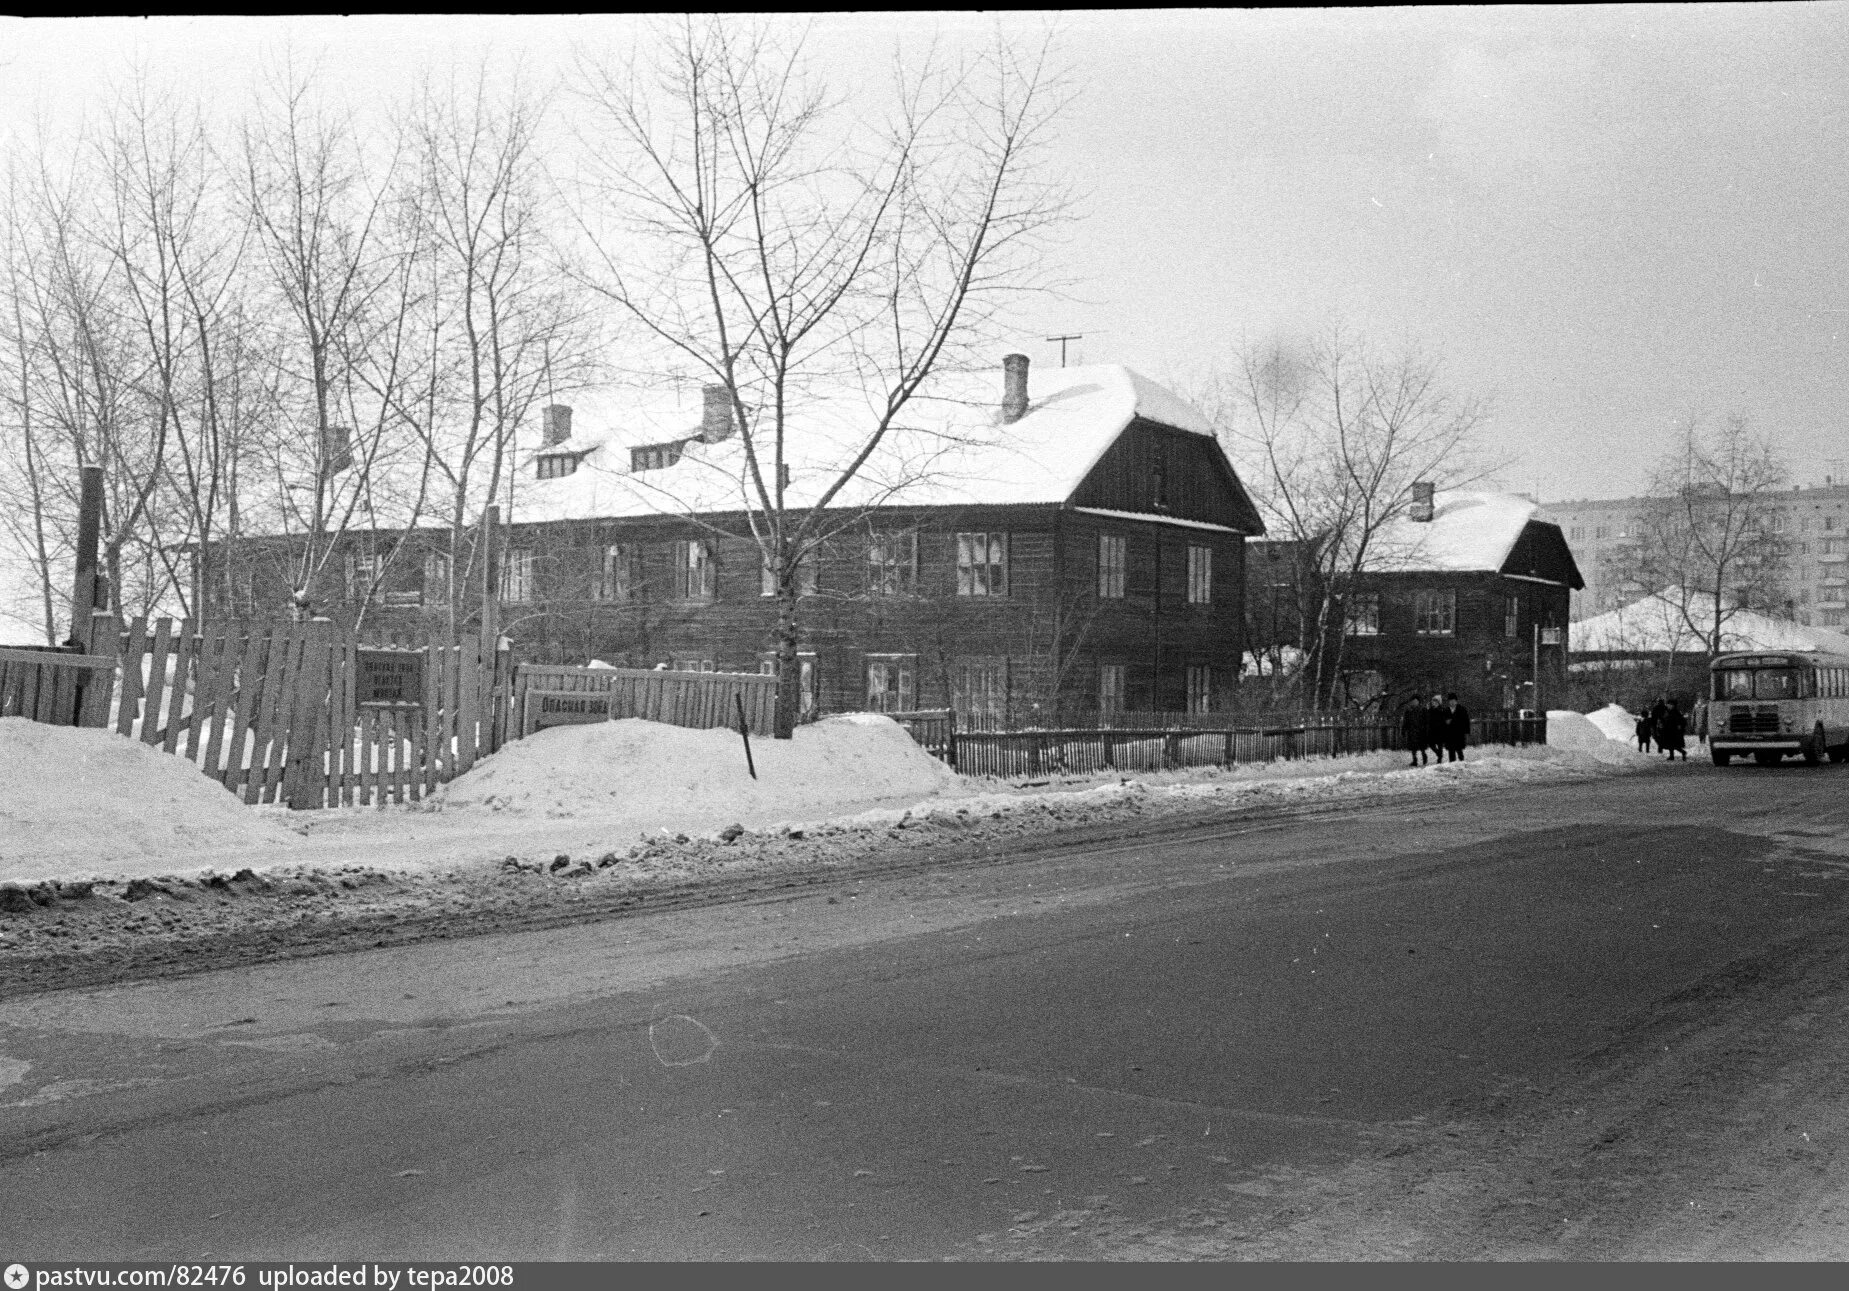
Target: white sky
[(1605, 218)]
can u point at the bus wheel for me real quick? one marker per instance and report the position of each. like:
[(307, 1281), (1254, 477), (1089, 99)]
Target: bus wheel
[(1813, 747), (1768, 759), (1720, 759)]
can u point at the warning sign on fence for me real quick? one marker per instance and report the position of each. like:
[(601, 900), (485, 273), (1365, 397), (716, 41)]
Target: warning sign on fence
[(392, 677), (555, 708)]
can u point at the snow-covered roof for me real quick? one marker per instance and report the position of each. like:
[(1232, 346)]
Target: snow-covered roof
[(947, 448), (1655, 624), (1469, 532)]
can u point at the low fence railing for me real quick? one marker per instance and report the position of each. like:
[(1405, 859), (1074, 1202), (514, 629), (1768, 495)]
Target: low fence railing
[(1079, 750)]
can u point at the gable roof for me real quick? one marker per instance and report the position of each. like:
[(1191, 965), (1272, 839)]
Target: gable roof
[(948, 447), (1654, 625), (1469, 532)]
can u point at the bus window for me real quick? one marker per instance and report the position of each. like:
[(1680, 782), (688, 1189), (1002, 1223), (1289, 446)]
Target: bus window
[(1779, 683), (1733, 683)]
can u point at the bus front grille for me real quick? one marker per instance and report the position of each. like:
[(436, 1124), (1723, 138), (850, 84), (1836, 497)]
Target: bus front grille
[(1744, 721)]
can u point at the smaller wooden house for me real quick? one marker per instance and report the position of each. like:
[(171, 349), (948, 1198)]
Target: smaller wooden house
[(1469, 592)]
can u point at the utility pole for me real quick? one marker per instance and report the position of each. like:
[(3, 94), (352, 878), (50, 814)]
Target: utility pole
[(1537, 669), (1072, 336), (87, 595)]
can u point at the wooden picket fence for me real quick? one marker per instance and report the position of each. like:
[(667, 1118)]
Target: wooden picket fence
[(292, 713), (548, 694), (55, 686)]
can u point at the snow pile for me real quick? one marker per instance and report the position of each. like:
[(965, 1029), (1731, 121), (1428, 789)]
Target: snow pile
[(88, 800), (1616, 722), (1576, 733), (654, 772)]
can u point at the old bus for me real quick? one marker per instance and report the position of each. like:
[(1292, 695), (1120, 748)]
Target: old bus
[(1771, 704)]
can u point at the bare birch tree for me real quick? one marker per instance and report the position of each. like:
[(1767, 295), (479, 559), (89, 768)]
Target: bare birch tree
[(1331, 435), (772, 239), (1707, 535)]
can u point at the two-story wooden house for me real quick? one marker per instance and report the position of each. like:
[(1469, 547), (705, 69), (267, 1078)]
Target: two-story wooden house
[(1025, 543), (1469, 592)]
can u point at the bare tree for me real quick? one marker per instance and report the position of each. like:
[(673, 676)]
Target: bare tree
[(1331, 435), (778, 242), (1708, 538)]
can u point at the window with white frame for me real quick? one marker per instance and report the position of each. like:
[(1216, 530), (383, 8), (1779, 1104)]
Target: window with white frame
[(517, 576), (692, 665), (363, 570), (806, 702), (1110, 687), (892, 563), (891, 683), (1434, 613), (1200, 575), (654, 457), (805, 576), (1511, 616), (982, 564), (693, 570), (1111, 562), (1200, 688), (979, 687), (616, 573), (1361, 614)]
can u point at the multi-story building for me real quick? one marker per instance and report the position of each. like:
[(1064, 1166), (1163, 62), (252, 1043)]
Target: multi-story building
[(1076, 543), (1814, 519)]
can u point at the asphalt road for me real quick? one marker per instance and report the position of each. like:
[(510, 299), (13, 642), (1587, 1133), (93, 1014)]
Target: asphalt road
[(1147, 1050)]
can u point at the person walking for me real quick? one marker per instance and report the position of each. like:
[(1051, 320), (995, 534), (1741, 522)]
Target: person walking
[(1645, 729), (1415, 732), (1457, 728), (1435, 719), (1671, 732)]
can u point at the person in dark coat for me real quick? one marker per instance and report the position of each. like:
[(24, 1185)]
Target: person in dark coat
[(1435, 720), (1415, 729), (1457, 728), (1645, 730), (1670, 732)]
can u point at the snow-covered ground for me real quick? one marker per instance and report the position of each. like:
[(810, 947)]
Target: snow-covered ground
[(91, 805)]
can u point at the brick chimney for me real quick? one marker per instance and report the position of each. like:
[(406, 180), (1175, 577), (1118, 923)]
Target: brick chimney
[(716, 414), (1014, 388), (555, 423), (1422, 502)]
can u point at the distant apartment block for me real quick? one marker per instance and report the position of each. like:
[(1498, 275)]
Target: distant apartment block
[(1816, 519)]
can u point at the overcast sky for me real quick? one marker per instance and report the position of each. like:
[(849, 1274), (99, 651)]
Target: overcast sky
[(1604, 218)]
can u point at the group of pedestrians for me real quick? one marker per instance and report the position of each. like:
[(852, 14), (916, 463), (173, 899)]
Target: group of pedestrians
[(1665, 724), (1441, 728)]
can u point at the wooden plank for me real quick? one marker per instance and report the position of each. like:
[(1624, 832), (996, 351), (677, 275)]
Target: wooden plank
[(248, 691), (209, 655), (431, 725), (280, 712), (211, 706), (132, 685), (304, 783), (468, 673), (364, 790), (263, 726), (57, 694), (346, 664), (157, 687), (182, 676)]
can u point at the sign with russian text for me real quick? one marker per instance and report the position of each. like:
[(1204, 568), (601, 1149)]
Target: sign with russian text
[(390, 678), (566, 708)]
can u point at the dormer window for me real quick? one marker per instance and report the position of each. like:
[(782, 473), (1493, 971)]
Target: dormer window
[(556, 466), (655, 457)]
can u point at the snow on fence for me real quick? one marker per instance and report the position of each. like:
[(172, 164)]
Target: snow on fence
[(551, 695), (1166, 745), (55, 686), (307, 713)]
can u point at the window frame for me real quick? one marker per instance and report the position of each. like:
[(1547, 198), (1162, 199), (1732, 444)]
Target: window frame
[(892, 577), (614, 559), (525, 582), (1434, 612), (1200, 574), (1113, 566), (899, 673), (1357, 624), (1199, 698), (1113, 697), (686, 568), (981, 577)]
